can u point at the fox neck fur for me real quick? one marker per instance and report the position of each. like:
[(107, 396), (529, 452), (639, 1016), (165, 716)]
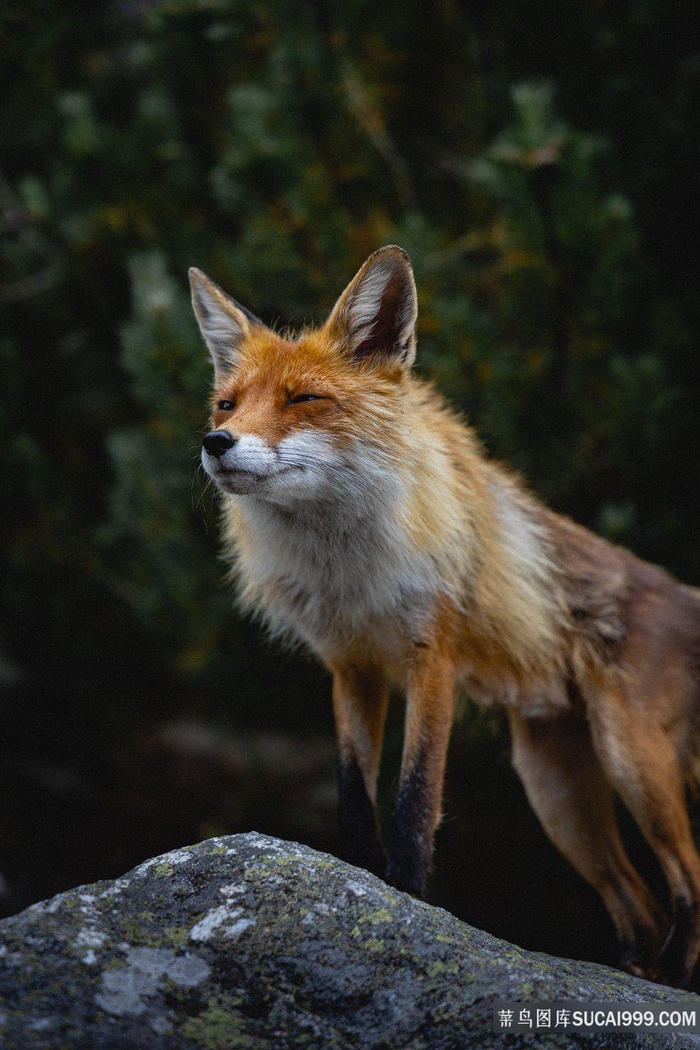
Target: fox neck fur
[(415, 516)]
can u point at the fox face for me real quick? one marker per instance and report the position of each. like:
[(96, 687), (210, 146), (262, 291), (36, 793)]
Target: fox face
[(302, 419), (272, 443), (280, 425)]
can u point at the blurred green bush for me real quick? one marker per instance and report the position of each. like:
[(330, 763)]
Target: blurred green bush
[(541, 182)]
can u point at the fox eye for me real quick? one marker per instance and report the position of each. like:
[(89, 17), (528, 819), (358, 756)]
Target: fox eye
[(225, 406), (297, 400)]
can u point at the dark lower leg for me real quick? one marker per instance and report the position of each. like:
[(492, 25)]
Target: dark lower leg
[(359, 831), (412, 832)]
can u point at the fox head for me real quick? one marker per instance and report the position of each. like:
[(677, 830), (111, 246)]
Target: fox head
[(296, 418)]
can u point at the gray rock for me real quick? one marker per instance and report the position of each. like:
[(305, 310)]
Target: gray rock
[(249, 942)]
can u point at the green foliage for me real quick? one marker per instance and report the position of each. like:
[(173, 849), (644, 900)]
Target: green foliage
[(275, 146)]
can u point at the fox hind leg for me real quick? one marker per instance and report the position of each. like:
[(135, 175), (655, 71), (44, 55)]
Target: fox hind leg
[(641, 758), (570, 793)]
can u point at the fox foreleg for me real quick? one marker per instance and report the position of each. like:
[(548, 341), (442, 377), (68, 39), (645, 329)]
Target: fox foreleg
[(417, 810), (360, 697)]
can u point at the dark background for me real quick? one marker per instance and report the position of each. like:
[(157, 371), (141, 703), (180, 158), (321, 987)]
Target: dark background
[(538, 161)]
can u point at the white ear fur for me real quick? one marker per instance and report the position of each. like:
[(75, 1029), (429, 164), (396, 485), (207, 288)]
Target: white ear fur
[(376, 314), (222, 322)]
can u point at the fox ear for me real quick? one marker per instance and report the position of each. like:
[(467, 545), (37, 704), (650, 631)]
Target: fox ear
[(223, 322), (376, 314)]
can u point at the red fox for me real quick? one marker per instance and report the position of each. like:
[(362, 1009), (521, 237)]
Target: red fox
[(363, 520)]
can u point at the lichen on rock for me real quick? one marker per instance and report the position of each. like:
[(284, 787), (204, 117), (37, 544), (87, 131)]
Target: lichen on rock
[(246, 941)]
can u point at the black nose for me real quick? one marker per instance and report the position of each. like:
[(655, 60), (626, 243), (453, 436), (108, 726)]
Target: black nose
[(216, 442)]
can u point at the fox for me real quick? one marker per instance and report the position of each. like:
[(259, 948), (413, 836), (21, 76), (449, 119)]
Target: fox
[(363, 520)]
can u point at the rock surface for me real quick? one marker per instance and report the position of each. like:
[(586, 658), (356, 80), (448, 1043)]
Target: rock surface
[(248, 942)]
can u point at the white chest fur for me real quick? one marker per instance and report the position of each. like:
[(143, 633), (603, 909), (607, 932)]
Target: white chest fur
[(331, 574)]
